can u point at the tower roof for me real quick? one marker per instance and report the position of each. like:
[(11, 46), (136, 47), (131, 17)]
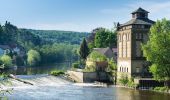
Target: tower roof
[(139, 19), (139, 22), (140, 10)]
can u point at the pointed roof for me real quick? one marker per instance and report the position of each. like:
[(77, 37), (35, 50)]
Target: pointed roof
[(140, 10)]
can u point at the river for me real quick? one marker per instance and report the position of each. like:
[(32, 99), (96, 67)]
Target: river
[(47, 87)]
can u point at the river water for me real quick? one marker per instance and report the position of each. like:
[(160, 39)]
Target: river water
[(47, 87)]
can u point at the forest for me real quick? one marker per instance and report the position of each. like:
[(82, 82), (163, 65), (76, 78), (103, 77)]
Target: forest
[(39, 46)]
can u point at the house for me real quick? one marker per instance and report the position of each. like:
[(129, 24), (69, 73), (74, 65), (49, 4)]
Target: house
[(131, 34), (105, 51), (3, 48), (98, 63)]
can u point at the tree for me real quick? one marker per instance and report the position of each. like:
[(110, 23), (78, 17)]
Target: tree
[(84, 50), (157, 50), (6, 60), (105, 38), (33, 58)]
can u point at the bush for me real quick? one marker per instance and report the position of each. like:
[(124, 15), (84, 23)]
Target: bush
[(123, 80), (75, 65), (33, 58), (6, 60), (90, 69), (57, 72), (161, 89)]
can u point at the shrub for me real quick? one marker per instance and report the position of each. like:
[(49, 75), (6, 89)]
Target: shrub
[(123, 80), (57, 72), (33, 57), (75, 65), (161, 89), (6, 60)]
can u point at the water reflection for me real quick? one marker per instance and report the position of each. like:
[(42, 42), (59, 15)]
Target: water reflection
[(38, 69), (130, 94)]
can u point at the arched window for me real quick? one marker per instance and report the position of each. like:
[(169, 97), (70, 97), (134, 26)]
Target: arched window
[(127, 69), (120, 69)]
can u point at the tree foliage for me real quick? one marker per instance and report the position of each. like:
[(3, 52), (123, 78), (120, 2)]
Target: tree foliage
[(57, 53), (53, 46), (105, 38), (84, 50), (6, 60), (54, 36), (157, 49), (33, 58)]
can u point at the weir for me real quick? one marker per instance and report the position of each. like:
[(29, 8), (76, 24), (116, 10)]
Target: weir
[(33, 80)]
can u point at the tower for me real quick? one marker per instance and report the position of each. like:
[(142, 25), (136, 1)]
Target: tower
[(129, 38)]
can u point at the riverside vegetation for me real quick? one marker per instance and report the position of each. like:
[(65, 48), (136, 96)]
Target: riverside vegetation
[(38, 47)]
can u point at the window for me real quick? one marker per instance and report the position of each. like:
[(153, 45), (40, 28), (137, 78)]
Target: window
[(120, 69), (127, 69), (137, 70), (140, 36), (120, 38)]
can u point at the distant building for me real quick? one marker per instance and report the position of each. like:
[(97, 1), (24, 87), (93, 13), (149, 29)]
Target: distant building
[(131, 34), (3, 48)]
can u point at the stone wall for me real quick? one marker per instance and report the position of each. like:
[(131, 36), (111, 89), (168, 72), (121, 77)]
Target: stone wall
[(88, 77)]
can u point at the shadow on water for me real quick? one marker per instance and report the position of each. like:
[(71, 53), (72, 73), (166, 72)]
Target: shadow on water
[(130, 94)]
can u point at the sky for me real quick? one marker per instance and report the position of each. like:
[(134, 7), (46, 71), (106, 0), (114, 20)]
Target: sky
[(77, 15)]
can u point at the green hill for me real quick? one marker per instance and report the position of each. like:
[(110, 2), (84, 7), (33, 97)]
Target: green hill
[(54, 36)]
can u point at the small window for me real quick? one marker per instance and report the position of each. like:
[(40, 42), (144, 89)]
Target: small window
[(120, 38), (120, 69), (137, 70), (127, 69)]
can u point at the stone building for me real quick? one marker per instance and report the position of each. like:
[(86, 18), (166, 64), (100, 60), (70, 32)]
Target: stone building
[(130, 36)]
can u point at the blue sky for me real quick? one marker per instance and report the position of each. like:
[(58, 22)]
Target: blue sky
[(77, 15)]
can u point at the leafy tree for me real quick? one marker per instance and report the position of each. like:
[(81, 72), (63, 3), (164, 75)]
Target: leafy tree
[(33, 58), (84, 50), (111, 64), (91, 45), (157, 50), (6, 60), (105, 38)]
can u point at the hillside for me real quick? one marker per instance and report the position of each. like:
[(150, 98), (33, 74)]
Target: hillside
[(54, 36)]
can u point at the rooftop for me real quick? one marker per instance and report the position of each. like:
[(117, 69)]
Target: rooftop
[(139, 22), (140, 10)]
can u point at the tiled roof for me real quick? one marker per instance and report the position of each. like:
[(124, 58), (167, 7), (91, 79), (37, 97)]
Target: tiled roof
[(144, 21)]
